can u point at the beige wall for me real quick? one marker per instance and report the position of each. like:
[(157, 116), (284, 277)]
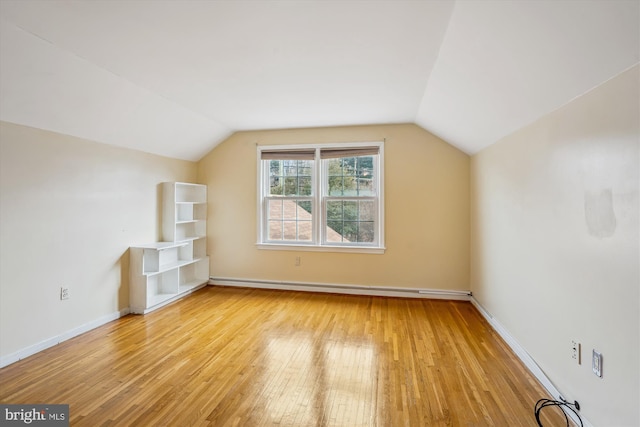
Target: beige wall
[(69, 210), (555, 244), (426, 213)]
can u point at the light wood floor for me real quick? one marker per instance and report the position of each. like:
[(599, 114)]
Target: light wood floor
[(226, 356)]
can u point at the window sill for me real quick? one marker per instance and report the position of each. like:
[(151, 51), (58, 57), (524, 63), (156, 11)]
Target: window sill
[(317, 248)]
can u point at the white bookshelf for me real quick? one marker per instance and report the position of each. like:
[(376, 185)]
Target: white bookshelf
[(162, 272), (184, 211)]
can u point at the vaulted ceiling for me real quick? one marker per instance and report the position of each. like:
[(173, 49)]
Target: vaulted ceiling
[(177, 77)]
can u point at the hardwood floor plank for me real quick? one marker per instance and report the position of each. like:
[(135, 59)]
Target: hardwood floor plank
[(242, 357)]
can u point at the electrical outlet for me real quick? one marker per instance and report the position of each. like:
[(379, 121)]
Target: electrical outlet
[(575, 351), (298, 261), (596, 363), (64, 293)]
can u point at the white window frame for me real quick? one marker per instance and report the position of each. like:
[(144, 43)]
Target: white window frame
[(319, 196)]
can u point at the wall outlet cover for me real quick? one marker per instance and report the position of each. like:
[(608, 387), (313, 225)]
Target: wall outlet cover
[(596, 363)]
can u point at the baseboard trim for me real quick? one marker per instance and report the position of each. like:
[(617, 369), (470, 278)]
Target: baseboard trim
[(526, 358), (50, 342), (343, 289)]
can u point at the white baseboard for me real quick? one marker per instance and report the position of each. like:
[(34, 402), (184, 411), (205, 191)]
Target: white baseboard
[(50, 342), (343, 289), (526, 358)]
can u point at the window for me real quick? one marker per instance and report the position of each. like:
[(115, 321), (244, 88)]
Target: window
[(321, 197)]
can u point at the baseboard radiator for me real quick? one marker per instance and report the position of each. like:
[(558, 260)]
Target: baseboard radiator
[(343, 288)]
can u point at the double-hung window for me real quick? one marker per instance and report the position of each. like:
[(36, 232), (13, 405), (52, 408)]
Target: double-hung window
[(321, 197)]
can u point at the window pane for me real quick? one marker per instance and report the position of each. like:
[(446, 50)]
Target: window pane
[(335, 186), (289, 209), (290, 167), (365, 187), (351, 176), (367, 210), (365, 176), (350, 186), (305, 231), (289, 230), (334, 231), (275, 167), (365, 166), (275, 209), (304, 167), (275, 185), (350, 221), (304, 186), (366, 232), (275, 230), (290, 219), (334, 211), (275, 177), (306, 205), (335, 167), (350, 231), (349, 165), (350, 210), (303, 210), (290, 186), (290, 177)]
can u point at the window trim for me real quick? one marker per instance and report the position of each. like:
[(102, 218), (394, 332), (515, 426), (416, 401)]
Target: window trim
[(319, 244)]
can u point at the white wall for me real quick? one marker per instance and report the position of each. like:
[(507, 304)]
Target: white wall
[(555, 244), (69, 210)]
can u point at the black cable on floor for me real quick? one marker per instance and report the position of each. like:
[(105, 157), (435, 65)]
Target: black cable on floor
[(543, 403)]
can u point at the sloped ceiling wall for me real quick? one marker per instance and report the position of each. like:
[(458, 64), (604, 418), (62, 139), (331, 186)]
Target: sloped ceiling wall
[(177, 78)]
